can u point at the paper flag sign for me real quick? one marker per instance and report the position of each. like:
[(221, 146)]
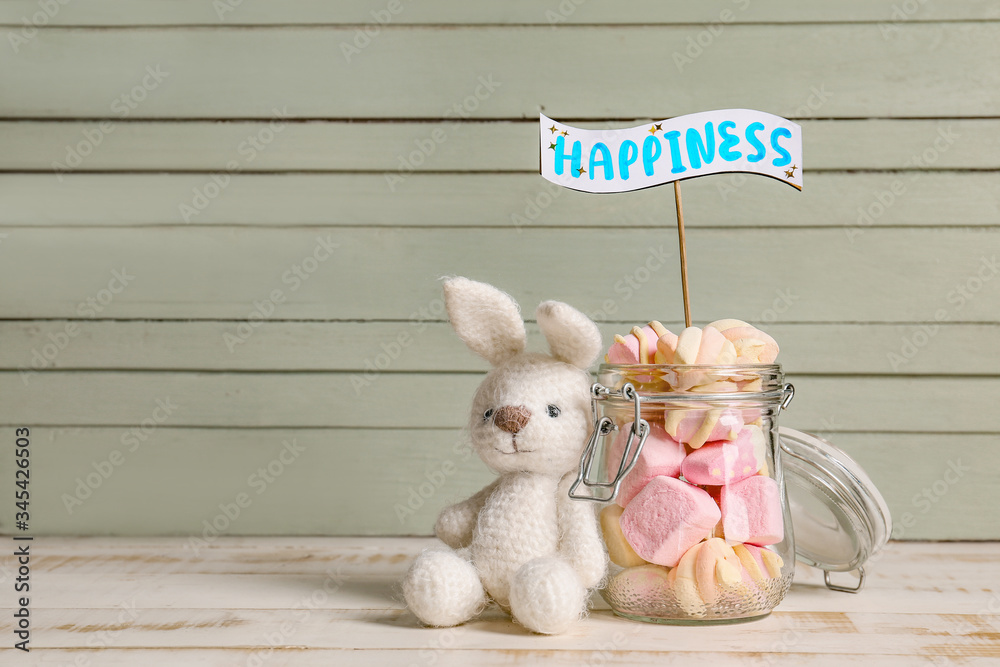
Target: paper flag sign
[(710, 142)]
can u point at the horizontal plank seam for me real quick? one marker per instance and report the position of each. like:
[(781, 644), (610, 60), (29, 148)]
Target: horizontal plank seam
[(439, 172), (693, 228), (427, 120), (70, 175), (275, 320), (568, 25)]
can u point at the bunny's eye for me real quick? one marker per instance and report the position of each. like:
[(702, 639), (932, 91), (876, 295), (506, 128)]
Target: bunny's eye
[(554, 411), (487, 415)]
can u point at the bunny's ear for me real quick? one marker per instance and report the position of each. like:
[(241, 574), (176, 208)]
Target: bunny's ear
[(572, 336), (486, 319)]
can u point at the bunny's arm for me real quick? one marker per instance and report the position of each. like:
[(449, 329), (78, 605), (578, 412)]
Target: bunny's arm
[(455, 523), (580, 540)]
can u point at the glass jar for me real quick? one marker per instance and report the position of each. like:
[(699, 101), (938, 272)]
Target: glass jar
[(699, 529)]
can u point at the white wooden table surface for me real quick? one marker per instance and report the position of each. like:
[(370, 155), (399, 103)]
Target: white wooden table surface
[(335, 601)]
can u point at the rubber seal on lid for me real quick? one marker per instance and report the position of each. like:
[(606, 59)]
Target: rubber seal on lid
[(839, 518)]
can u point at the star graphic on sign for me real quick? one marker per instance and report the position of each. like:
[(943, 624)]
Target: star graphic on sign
[(552, 129), (564, 133), (581, 171), (552, 146), (790, 173), (658, 126)]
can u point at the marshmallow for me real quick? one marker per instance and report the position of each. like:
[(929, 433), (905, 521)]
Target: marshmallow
[(660, 455), (751, 511), (697, 346), (708, 568), (723, 342), (752, 345), (715, 387), (702, 570), (696, 427), (751, 415), (717, 565), (619, 550), (684, 584), (759, 441), (725, 462), (722, 325), (638, 347), (757, 563), (665, 346), (772, 562), (667, 518)]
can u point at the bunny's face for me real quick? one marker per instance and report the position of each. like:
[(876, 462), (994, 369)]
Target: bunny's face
[(531, 414)]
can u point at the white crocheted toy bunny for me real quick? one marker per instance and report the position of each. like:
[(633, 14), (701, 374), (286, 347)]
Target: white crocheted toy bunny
[(521, 540)]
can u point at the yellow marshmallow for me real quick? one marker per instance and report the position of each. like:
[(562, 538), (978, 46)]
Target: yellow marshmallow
[(773, 562), (685, 584), (717, 564), (688, 344), (722, 325), (748, 562), (701, 435), (619, 550), (658, 328)]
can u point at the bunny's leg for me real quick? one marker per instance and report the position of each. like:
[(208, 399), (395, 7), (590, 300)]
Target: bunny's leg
[(580, 541), (442, 588), (547, 596)]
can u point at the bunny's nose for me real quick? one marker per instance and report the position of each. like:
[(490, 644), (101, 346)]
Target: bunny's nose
[(512, 418)]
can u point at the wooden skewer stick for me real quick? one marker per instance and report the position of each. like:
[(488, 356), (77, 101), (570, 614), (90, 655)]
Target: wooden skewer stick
[(684, 264)]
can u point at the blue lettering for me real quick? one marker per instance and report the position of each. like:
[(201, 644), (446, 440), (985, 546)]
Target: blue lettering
[(561, 157), (649, 155), (751, 135), (627, 154), (726, 151), (786, 157), (605, 161), (673, 138), (698, 150)]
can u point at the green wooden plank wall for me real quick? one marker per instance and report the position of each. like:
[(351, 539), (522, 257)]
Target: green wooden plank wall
[(167, 165)]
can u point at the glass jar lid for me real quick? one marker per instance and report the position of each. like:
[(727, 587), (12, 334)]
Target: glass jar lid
[(839, 518)]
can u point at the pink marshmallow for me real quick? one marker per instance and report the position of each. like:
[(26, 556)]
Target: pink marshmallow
[(768, 562), (666, 345), (660, 455), (750, 415), (627, 349), (751, 511), (712, 342), (667, 518), (723, 461), (753, 346)]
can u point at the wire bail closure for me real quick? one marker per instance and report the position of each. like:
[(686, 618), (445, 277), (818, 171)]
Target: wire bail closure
[(603, 427), (845, 589), (788, 392)]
